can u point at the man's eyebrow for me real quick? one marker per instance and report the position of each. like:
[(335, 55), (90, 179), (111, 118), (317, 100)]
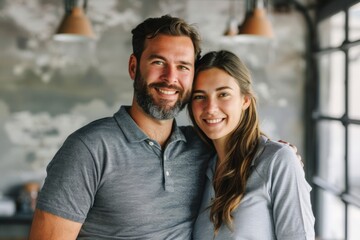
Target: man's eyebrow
[(186, 63), (154, 56)]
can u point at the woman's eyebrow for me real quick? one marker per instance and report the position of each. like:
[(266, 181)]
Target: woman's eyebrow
[(223, 88), (217, 89), (198, 91)]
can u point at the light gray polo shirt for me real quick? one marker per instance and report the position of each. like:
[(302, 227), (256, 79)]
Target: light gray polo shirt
[(276, 204), (121, 185)]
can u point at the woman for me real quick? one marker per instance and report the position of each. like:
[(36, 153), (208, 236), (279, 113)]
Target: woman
[(255, 187)]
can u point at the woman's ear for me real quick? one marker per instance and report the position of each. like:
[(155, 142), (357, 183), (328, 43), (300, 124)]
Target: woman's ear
[(246, 102), (132, 66)]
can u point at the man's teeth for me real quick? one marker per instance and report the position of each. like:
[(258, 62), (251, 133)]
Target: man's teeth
[(214, 120), (166, 91)]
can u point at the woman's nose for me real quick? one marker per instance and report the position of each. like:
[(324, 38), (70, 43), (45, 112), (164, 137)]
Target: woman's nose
[(211, 106)]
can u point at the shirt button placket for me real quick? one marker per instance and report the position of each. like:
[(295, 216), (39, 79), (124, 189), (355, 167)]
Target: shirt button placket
[(169, 184), (167, 172)]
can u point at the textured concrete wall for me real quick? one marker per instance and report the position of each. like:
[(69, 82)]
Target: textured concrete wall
[(47, 89)]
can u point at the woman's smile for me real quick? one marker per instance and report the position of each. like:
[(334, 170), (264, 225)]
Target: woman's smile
[(217, 103)]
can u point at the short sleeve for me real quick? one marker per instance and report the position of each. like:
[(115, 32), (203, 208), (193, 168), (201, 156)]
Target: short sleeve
[(71, 181), (290, 194)]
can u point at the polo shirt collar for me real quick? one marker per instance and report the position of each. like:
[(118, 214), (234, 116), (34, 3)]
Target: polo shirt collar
[(133, 133), (177, 134)]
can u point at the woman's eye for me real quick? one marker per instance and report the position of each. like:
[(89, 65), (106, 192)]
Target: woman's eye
[(224, 94), (197, 97)]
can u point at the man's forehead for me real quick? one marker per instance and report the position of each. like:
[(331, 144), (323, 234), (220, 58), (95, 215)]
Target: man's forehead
[(183, 45)]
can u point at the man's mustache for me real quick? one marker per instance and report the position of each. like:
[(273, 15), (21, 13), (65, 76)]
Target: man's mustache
[(164, 85)]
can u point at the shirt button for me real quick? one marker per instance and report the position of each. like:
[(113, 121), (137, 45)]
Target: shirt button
[(165, 158), (167, 173), (151, 143)]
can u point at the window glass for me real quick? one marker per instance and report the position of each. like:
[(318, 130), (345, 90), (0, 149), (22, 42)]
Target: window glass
[(332, 146), (354, 22), (354, 216), (354, 82), (331, 216), (332, 31), (331, 153), (354, 160), (331, 73)]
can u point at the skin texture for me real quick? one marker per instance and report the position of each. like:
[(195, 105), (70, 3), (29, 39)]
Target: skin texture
[(167, 61), (217, 105), (48, 226)]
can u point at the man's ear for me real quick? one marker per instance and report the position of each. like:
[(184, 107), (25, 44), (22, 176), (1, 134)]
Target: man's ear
[(246, 103), (132, 66)]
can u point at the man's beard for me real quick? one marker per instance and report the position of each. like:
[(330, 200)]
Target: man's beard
[(161, 110)]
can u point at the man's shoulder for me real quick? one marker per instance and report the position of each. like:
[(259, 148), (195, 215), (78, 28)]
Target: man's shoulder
[(105, 124), (99, 127)]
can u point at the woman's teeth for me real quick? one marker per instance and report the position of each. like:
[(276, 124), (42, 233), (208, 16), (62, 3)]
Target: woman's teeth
[(213, 120)]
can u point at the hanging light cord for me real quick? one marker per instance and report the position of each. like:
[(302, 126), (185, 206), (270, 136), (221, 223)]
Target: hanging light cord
[(70, 4)]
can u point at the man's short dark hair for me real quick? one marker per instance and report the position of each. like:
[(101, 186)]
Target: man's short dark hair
[(166, 25)]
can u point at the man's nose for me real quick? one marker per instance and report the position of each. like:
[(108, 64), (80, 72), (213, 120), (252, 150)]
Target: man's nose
[(170, 74)]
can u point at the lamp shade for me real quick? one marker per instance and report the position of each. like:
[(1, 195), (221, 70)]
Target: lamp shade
[(75, 26), (257, 23)]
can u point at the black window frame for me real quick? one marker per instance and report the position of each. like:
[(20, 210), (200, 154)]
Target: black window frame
[(313, 115)]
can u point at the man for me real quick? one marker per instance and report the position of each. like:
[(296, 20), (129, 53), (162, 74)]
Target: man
[(136, 175)]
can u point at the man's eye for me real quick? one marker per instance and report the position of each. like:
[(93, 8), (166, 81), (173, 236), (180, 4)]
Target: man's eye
[(183, 68), (158, 62)]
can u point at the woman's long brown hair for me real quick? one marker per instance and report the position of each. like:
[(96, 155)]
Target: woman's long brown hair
[(232, 173)]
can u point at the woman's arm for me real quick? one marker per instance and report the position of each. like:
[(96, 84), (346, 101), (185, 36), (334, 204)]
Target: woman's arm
[(290, 194)]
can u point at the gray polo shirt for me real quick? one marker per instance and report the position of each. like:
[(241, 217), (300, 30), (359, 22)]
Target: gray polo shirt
[(276, 204), (120, 184)]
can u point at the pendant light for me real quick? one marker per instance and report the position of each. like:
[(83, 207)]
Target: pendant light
[(75, 26), (256, 21)]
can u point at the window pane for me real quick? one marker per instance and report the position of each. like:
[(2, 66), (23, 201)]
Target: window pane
[(354, 159), (331, 216), (331, 153), (332, 31), (354, 220), (354, 83), (354, 22), (331, 71)]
